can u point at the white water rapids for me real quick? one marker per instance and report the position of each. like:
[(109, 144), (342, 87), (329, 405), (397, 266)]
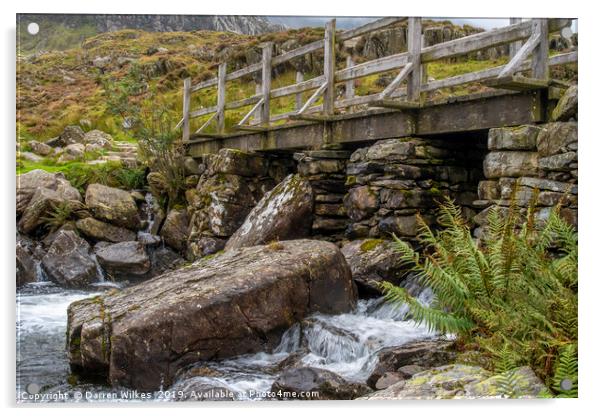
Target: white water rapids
[(346, 344)]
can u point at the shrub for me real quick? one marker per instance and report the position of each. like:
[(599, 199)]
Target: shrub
[(58, 216), (512, 296)]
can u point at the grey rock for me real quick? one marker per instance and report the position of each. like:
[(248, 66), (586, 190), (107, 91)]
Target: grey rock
[(235, 303), (510, 164), (321, 384), (113, 205), (71, 152), (68, 261), (191, 166), (360, 202), (513, 138), (388, 379), (236, 162), (99, 139), (26, 269), (284, 213), (175, 229), (40, 148), (31, 157), (71, 135), (446, 382), (424, 353), (567, 106), (556, 138), (489, 190), (98, 230), (408, 371), (373, 261), (562, 162), (125, 259)]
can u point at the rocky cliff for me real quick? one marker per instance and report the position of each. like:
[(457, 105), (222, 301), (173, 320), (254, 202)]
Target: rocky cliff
[(250, 25)]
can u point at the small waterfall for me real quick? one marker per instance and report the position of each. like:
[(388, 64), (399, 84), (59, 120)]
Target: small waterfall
[(41, 275), (347, 344), (148, 236), (100, 273), (148, 210)]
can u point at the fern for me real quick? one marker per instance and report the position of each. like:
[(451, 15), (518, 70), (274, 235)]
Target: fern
[(58, 216), (516, 289), (565, 373)]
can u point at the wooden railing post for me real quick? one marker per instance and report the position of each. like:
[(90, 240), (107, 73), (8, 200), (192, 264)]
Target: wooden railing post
[(186, 110), (515, 46), (349, 85), (540, 60), (329, 67), (257, 115), (298, 96), (414, 49), (266, 81), (221, 98), (424, 67)]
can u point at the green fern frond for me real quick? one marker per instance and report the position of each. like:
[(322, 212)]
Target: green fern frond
[(565, 373)]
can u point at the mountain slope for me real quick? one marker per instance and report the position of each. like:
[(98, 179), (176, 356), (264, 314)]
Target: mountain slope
[(64, 31)]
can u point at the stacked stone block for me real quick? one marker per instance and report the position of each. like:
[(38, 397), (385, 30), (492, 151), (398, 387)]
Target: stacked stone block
[(325, 170), (393, 180), (534, 165)]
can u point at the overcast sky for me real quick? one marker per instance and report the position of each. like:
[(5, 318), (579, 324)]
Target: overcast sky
[(351, 22)]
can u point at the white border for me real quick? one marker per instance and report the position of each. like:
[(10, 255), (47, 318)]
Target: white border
[(589, 214)]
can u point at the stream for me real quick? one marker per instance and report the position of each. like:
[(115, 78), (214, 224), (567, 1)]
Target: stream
[(346, 344)]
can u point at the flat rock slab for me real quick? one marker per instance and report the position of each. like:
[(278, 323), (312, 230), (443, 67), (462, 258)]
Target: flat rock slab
[(236, 303)]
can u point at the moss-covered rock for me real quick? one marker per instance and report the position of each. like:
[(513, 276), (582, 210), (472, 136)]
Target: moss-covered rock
[(102, 231), (113, 205)]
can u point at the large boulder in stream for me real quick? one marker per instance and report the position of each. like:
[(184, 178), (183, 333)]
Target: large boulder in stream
[(373, 261), (235, 303), (284, 213), (68, 261), (113, 205), (309, 383), (125, 259)]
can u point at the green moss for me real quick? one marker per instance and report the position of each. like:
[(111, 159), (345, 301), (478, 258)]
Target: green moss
[(371, 244), (351, 180)]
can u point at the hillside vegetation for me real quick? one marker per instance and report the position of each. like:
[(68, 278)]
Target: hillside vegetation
[(80, 85)]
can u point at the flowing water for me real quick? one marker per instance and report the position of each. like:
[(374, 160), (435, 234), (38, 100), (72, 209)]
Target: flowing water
[(346, 344)]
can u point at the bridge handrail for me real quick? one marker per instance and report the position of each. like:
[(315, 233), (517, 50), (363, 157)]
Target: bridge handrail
[(409, 63)]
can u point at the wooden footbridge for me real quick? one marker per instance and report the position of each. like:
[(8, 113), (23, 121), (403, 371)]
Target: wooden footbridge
[(521, 92)]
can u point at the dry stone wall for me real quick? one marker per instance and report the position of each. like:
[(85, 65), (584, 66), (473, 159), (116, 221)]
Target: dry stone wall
[(535, 165), (392, 180), (326, 172)]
